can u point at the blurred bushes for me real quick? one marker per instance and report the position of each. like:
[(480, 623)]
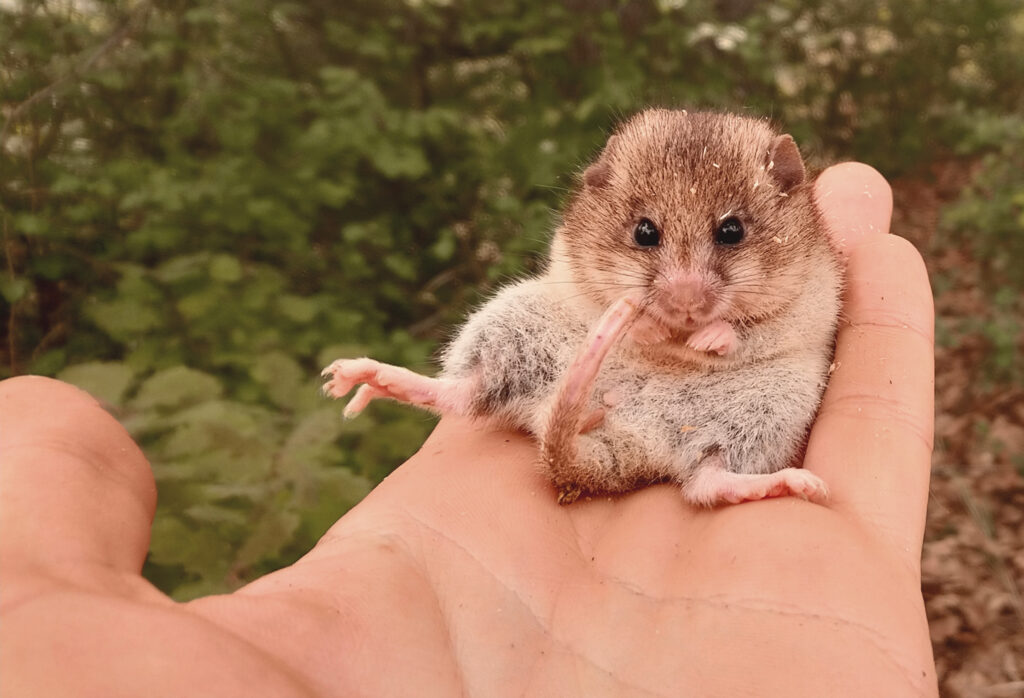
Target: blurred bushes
[(988, 220), (205, 202)]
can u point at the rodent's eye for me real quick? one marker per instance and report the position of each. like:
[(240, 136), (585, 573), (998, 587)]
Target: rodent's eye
[(729, 232), (646, 233)]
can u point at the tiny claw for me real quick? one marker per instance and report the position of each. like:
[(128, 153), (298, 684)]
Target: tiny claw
[(567, 494), (333, 387)]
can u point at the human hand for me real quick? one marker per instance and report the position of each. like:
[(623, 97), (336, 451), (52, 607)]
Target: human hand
[(459, 574)]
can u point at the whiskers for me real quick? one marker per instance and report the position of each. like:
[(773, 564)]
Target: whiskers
[(598, 291), (755, 291), (749, 281), (603, 290)]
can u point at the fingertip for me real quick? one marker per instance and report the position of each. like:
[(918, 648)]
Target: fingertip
[(39, 409), (856, 201), (72, 480), (40, 389)]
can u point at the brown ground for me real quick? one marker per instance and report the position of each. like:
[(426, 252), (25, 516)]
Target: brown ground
[(973, 562)]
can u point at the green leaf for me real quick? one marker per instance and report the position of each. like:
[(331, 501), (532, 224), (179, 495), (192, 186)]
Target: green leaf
[(202, 551), (201, 304), (176, 387), (298, 309), (106, 381), (49, 362), (444, 248), (401, 265), (13, 288), (272, 532), (282, 377), (334, 193), (330, 493), (182, 267), (123, 318), (315, 429), (31, 224), (395, 161)]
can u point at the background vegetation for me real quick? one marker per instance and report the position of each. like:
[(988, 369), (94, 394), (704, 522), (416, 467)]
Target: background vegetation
[(203, 202)]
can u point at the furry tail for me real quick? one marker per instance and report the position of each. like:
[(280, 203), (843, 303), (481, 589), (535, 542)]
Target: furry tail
[(569, 414)]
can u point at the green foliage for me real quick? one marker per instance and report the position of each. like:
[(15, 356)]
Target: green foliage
[(989, 217), (988, 220), (205, 202)]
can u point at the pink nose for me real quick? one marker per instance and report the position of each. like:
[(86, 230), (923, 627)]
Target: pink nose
[(687, 291)]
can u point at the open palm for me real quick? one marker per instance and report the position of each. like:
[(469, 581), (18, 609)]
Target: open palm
[(461, 575)]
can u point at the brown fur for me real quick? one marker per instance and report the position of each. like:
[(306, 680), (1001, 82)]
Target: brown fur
[(650, 169), (686, 173), (669, 410)]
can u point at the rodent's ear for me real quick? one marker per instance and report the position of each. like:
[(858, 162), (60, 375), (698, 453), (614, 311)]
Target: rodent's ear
[(599, 174), (785, 163)]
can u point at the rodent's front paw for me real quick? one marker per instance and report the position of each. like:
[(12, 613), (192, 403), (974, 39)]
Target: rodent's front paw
[(646, 331), (716, 337)]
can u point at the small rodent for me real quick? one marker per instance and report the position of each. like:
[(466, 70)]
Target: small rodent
[(696, 238)]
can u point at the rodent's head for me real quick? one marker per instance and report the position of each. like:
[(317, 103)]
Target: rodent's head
[(709, 214)]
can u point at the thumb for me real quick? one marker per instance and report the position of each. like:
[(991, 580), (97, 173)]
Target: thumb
[(73, 486)]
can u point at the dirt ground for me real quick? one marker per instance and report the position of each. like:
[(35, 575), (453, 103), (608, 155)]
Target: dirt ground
[(973, 561)]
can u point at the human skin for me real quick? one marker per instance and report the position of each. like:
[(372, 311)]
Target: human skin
[(460, 575)]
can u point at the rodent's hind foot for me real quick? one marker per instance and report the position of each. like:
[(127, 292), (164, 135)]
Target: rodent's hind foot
[(387, 381), (589, 464), (712, 485)]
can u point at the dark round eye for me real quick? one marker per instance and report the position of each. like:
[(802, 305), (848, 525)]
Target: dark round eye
[(729, 232), (646, 233)]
